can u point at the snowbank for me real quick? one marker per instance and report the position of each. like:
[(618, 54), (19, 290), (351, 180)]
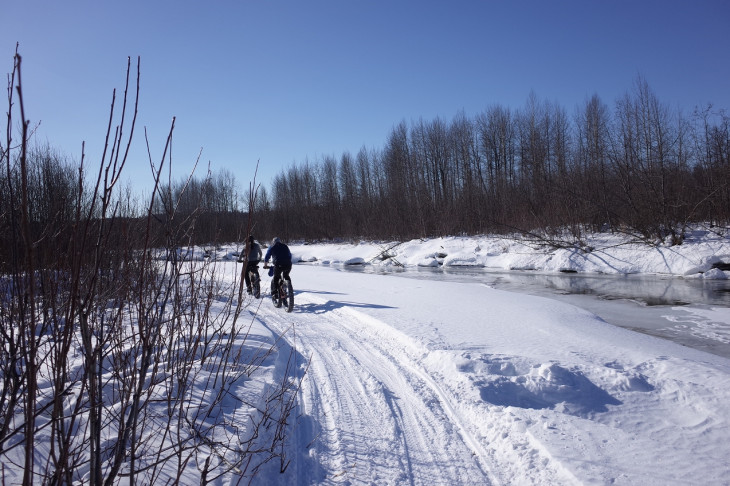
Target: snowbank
[(699, 255)]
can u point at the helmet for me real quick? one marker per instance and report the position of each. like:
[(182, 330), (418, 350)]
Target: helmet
[(250, 239), (275, 240)]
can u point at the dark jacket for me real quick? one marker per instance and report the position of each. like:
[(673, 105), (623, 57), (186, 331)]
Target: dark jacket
[(279, 254)]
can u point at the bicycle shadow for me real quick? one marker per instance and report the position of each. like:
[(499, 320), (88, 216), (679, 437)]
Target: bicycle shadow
[(321, 292), (332, 305)]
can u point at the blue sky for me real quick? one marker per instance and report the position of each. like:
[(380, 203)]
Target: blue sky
[(284, 81)]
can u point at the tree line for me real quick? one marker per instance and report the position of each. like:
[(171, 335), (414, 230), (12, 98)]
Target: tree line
[(639, 167), (192, 210)]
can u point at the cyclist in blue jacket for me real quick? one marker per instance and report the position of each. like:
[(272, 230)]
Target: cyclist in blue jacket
[(280, 256)]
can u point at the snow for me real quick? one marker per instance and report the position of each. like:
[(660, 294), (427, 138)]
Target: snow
[(704, 322), (527, 390), (413, 381), (438, 382), (600, 253)]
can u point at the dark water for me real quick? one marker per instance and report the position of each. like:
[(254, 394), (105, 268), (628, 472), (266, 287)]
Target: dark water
[(655, 305)]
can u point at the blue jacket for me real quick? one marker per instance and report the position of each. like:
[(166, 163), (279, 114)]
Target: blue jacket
[(279, 253)]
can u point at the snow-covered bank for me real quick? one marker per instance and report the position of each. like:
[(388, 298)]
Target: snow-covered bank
[(526, 390), (602, 253)]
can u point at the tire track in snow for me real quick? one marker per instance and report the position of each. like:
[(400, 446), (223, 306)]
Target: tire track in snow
[(411, 369), (381, 419)]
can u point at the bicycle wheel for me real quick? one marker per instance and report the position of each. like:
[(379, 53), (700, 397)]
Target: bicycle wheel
[(275, 296), (289, 296), (283, 297)]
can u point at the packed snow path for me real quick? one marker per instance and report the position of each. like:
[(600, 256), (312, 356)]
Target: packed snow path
[(376, 418), (413, 382)]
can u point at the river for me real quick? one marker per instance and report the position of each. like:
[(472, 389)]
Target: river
[(691, 312)]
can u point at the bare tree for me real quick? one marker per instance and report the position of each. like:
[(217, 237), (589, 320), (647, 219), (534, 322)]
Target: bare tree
[(592, 165), (122, 353)]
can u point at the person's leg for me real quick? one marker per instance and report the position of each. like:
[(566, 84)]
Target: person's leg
[(277, 275), (246, 278)]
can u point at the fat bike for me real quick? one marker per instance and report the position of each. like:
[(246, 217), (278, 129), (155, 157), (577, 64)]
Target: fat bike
[(283, 294), (254, 278)]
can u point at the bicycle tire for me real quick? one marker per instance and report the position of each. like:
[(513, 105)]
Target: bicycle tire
[(290, 296), (275, 296), (283, 297)]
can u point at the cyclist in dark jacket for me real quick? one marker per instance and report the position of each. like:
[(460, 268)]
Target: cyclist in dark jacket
[(281, 258)]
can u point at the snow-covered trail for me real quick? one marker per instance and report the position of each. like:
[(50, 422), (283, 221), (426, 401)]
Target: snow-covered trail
[(371, 409), (422, 382), (375, 417)]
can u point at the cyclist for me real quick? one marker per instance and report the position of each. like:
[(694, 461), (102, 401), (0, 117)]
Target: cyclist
[(281, 258), (253, 257)]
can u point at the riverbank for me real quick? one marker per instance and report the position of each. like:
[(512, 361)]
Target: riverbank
[(704, 254)]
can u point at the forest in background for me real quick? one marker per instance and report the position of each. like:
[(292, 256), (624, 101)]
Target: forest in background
[(639, 168)]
